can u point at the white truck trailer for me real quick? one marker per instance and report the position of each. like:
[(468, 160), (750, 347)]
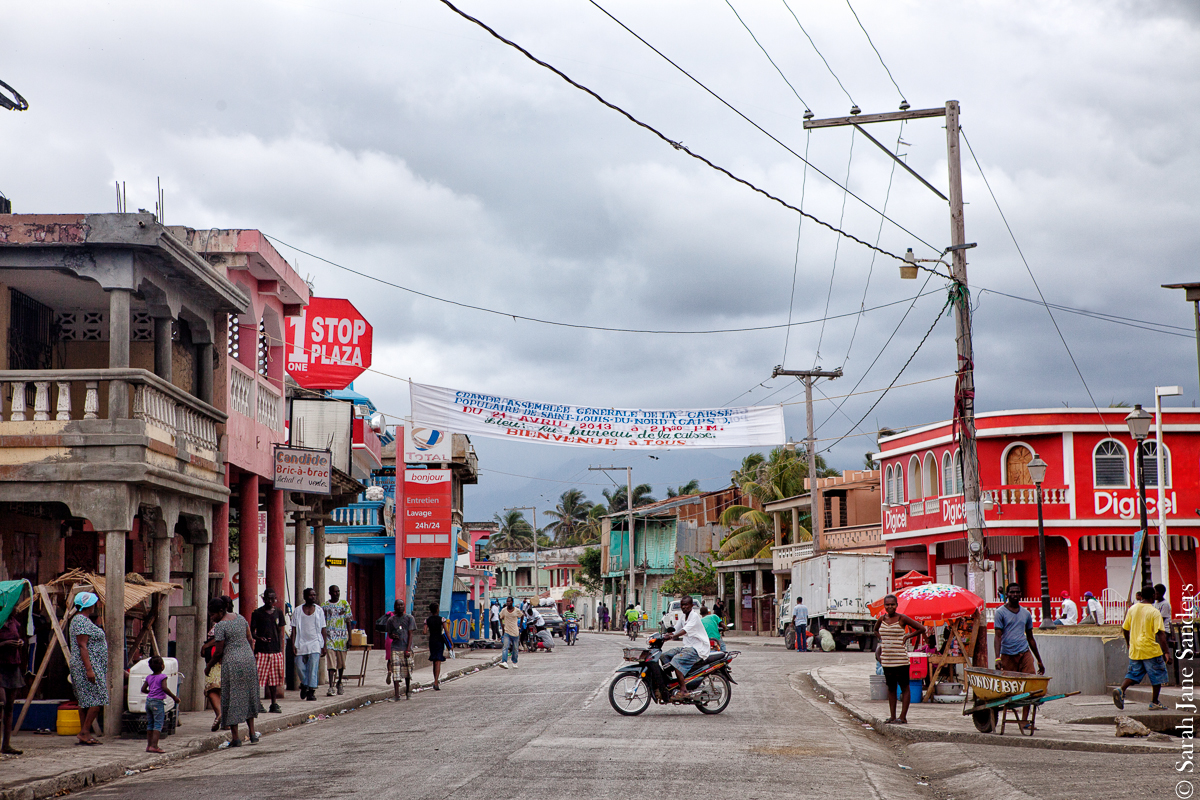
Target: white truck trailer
[(836, 588)]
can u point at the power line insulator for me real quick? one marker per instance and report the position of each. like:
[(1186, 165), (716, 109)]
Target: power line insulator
[(904, 106), (855, 111)]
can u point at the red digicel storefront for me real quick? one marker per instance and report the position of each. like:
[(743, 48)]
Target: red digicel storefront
[(1089, 500)]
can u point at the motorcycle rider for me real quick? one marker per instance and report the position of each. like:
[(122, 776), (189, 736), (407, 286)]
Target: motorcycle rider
[(695, 643), (570, 618), (631, 616), (536, 625)]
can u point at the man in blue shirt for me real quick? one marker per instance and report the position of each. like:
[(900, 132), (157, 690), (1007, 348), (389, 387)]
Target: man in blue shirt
[(1015, 647), (800, 623)]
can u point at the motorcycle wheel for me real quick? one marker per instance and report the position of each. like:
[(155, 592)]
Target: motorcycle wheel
[(718, 686), (628, 695)]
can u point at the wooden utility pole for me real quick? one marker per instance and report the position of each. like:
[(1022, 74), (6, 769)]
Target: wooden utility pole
[(964, 389), (816, 508), (629, 590)]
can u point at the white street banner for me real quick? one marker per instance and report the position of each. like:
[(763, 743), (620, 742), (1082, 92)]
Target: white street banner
[(591, 426)]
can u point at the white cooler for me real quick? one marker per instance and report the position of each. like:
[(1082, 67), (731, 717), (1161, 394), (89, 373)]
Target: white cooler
[(137, 676)]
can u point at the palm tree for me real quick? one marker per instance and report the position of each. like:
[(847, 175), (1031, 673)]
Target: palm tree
[(515, 532), (750, 534), (780, 475), (570, 514), (691, 487), (589, 530), (617, 502)]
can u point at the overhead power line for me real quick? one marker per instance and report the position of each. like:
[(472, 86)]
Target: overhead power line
[(818, 52), (719, 99), (765, 53), (878, 54)]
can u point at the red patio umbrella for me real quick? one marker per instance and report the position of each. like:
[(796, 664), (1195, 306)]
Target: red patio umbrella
[(935, 603), (911, 578)]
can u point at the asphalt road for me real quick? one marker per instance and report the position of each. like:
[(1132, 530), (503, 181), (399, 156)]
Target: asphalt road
[(546, 731)]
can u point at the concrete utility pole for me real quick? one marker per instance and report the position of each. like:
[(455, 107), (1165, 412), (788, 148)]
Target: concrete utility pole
[(629, 590), (536, 582), (964, 401), (816, 509)]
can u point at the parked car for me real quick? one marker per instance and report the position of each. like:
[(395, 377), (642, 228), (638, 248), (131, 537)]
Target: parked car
[(554, 620)]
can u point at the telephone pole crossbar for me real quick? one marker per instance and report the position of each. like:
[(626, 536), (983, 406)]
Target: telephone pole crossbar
[(815, 508)]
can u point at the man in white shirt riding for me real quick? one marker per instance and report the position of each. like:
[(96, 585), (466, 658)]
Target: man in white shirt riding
[(695, 642)]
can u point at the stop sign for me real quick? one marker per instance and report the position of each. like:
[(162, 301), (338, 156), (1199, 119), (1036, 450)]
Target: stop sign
[(328, 344)]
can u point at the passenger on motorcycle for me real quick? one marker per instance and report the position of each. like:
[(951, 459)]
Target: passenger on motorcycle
[(535, 622), (695, 642), (631, 617)]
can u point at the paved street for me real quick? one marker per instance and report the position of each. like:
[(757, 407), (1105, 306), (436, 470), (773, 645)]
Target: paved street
[(546, 730)]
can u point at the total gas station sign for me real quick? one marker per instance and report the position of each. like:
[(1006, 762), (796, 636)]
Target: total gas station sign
[(328, 344)]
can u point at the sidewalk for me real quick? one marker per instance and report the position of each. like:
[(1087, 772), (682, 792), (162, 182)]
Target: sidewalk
[(54, 764), (1082, 722)]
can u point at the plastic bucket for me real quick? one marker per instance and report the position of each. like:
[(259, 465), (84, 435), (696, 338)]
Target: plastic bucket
[(915, 690), (878, 687), (67, 722)]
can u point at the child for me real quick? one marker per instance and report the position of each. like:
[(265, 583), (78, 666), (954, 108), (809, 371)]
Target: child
[(156, 691)]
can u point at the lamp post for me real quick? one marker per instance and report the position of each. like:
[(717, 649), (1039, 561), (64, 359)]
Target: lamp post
[(1138, 421), (1037, 472)]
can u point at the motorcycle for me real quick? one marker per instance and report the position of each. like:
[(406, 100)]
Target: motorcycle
[(635, 685), (570, 631), (534, 641), (631, 630)]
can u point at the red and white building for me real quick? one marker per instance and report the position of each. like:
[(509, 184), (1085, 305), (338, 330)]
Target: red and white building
[(1089, 500)]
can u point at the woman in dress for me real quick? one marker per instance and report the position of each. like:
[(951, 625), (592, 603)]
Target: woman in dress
[(893, 654), (436, 626), (234, 650), (89, 663)]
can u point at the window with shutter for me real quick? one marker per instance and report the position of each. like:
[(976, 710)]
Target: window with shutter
[(1109, 465)]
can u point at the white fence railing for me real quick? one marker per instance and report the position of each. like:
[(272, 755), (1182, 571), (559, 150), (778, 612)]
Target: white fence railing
[(241, 390)]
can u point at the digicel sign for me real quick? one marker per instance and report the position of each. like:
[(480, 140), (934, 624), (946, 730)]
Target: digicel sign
[(328, 345)]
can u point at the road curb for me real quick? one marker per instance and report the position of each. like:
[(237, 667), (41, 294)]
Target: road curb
[(273, 723), (914, 734)]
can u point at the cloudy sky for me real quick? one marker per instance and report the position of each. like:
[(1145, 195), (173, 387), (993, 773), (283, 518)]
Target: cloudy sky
[(402, 141)]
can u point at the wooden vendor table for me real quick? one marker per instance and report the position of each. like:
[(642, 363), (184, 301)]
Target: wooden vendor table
[(365, 649)]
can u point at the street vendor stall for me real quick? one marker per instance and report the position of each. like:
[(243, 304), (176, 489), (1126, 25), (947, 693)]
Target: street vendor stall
[(142, 601), (937, 604)]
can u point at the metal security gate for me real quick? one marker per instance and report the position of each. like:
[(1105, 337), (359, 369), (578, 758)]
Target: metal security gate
[(29, 333)]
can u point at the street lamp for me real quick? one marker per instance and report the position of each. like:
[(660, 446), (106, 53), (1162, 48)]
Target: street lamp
[(1037, 472), (1139, 421)]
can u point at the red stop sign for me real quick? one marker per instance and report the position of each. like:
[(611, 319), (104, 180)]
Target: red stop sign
[(328, 344)]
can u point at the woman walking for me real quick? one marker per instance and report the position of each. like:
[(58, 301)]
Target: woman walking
[(234, 651), (89, 664), (893, 655), (436, 626)]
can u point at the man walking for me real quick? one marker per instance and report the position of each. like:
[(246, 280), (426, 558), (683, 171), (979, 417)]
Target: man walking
[(308, 640), (266, 626), (1149, 655), (510, 624), (1015, 647), (337, 614), (800, 625), (602, 615), (494, 615), (400, 629)]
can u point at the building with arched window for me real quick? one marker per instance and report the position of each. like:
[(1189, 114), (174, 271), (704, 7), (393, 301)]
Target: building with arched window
[(1089, 499)]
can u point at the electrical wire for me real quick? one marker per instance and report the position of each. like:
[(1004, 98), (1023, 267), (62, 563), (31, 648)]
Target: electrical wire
[(878, 234), (1145, 325), (877, 53), (836, 249), (768, 55), (796, 261), (814, 47), (1028, 269), (538, 320), (920, 344), (719, 99)]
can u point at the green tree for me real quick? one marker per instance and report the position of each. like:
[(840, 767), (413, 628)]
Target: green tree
[(570, 517), (589, 574), (696, 576), (691, 487), (617, 502), (779, 475), (515, 532)]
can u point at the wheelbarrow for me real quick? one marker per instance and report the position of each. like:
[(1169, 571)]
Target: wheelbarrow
[(996, 693)]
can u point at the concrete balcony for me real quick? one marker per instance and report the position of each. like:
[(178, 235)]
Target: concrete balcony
[(80, 426), (784, 556)]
